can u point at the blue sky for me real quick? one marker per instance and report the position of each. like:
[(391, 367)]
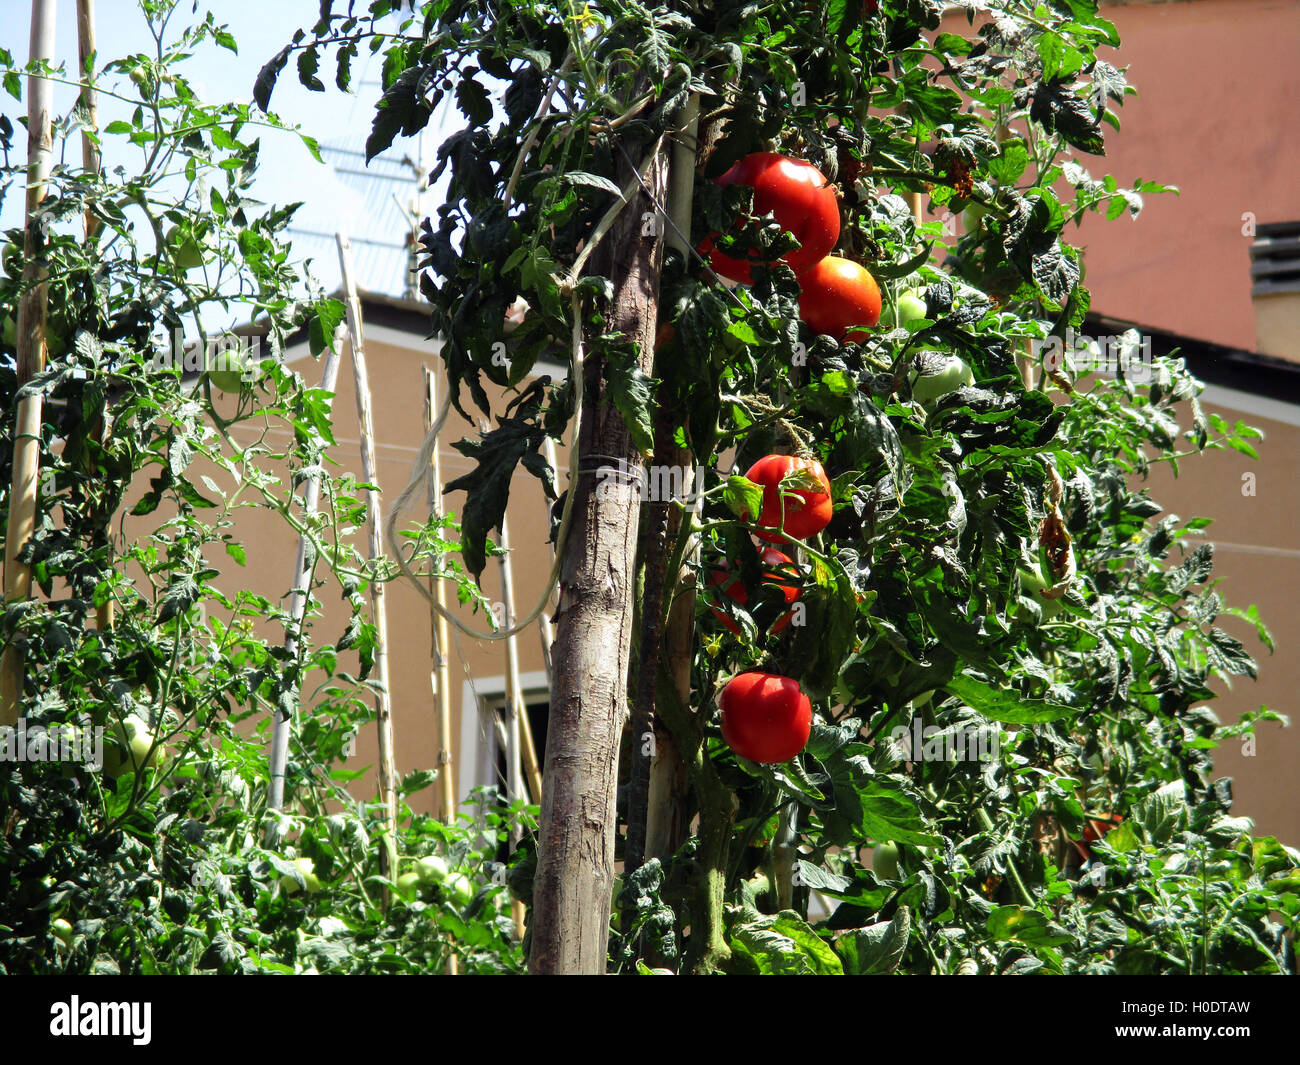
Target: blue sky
[(287, 171)]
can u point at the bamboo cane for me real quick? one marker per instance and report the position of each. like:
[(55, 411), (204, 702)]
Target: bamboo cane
[(31, 351), (440, 677), (90, 162), (89, 101), (383, 699), (519, 736), (524, 747), (281, 722)]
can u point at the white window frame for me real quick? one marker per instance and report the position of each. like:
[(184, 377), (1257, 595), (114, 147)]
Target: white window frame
[(476, 760)]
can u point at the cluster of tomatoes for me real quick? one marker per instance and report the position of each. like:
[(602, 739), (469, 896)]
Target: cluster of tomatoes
[(766, 717), (836, 294)]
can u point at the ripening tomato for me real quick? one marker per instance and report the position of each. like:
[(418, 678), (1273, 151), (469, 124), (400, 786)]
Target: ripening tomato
[(805, 512), (797, 195), (765, 717), (1094, 828), (836, 294), (732, 585)]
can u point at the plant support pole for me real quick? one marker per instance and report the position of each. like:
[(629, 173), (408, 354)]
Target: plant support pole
[(544, 627), (370, 471), (31, 352), (90, 162), (590, 659), (441, 640), (282, 721), (520, 753), (521, 732)]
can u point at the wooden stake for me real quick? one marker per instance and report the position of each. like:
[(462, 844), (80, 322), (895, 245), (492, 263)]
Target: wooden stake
[(440, 676), (369, 470), (667, 786), (282, 723), (89, 101), (90, 163), (520, 729), (520, 751), (31, 352)]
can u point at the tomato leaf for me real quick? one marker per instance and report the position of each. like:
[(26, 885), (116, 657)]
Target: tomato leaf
[(1007, 706), (878, 948), (1016, 924), (782, 944)]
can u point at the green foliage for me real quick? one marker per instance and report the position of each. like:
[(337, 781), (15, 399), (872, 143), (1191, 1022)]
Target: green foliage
[(981, 719), (149, 477), (993, 574)]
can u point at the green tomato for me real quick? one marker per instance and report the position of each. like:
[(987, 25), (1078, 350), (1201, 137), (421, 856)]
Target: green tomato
[(307, 868), (909, 307), (408, 885), (232, 377), (62, 931), (972, 216), (884, 861), (951, 374), (55, 342), (1032, 583), (458, 889), (12, 258), (431, 869), (130, 747)]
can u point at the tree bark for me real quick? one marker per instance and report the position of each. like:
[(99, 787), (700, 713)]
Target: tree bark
[(575, 859)]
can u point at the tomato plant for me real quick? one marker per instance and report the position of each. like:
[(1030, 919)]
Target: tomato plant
[(937, 377), (799, 512), (909, 307), (781, 572), (797, 195), (765, 717), (836, 294)]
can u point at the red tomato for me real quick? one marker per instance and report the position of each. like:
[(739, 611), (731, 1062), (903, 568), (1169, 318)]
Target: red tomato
[(732, 586), (836, 294), (797, 195), (765, 717), (1096, 827), (806, 512)]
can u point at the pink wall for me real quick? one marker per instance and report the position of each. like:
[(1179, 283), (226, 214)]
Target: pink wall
[(1215, 115)]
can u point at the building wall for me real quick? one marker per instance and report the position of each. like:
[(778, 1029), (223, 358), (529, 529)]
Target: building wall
[(1213, 115), (395, 363), (1215, 81), (1255, 505)]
